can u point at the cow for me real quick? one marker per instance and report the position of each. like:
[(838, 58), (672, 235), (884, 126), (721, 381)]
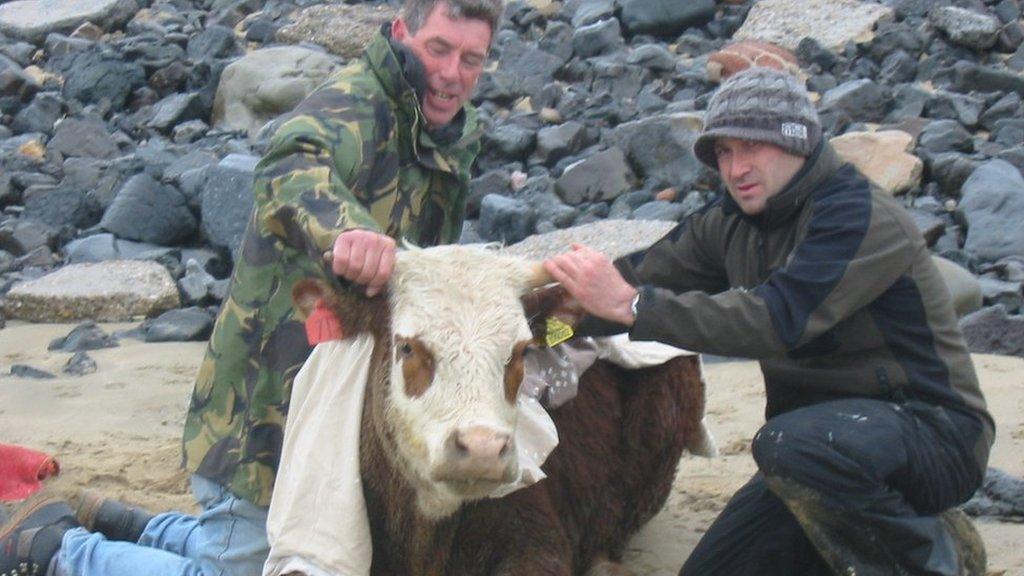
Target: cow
[(437, 434)]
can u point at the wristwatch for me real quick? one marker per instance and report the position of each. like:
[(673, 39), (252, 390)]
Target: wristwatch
[(635, 304)]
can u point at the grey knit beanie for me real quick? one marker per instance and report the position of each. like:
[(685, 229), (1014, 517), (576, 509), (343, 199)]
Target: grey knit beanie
[(764, 105)]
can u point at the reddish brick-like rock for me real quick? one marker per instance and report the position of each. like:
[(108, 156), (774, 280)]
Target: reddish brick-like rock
[(745, 54)]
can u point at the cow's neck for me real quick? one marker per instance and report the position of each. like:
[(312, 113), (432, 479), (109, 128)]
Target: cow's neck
[(403, 538)]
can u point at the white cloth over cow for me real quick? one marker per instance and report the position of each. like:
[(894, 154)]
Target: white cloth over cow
[(317, 522)]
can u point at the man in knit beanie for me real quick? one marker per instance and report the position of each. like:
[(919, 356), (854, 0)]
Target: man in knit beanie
[(876, 427)]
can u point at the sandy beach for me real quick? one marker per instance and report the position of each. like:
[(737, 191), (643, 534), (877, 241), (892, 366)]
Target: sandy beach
[(118, 430)]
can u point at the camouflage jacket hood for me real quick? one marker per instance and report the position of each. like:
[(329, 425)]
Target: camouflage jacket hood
[(353, 154)]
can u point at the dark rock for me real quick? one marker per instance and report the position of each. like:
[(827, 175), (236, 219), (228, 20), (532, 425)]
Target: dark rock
[(20, 52), (592, 11), (103, 246), (194, 286), (491, 182), (79, 364), (592, 213), (993, 203), (181, 325), (950, 170), (998, 292), (61, 207), (148, 211), (7, 192), (510, 141), (660, 150), (213, 43), (557, 40), (57, 45), (620, 82), (552, 213), (97, 76), (897, 68), (557, 142), (20, 237), (861, 100), (1014, 156), (965, 27), (41, 257), (1008, 11), (195, 159), (1009, 132), (86, 138), (227, 200), (960, 107), (599, 177), (908, 102), (653, 57), (891, 37), (16, 86), (7, 261), (660, 210), (496, 87), (175, 109), (810, 52), (930, 225), (528, 68), (601, 37), (169, 79), (86, 336), (1009, 106), (40, 115), (969, 76), (151, 50), (664, 17), (190, 131), (211, 260), (945, 136), (261, 30), (505, 220), (1001, 496), (992, 331), (26, 371), (623, 206), (1010, 37)]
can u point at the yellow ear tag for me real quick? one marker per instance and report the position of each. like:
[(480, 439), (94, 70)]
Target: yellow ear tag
[(557, 332)]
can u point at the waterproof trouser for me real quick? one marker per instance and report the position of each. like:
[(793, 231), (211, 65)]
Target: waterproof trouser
[(853, 486)]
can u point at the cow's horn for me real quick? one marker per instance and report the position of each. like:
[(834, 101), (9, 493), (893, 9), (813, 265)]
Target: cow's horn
[(538, 276)]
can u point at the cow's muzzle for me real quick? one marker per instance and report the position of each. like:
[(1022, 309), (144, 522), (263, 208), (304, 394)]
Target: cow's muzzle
[(475, 458)]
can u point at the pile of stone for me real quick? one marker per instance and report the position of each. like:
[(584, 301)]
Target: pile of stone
[(130, 129)]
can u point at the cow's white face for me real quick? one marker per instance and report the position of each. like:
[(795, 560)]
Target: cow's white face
[(459, 333)]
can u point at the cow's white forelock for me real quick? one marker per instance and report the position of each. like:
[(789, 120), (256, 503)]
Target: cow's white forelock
[(463, 304)]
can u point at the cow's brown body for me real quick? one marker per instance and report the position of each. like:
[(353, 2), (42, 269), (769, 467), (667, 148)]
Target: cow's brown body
[(619, 442)]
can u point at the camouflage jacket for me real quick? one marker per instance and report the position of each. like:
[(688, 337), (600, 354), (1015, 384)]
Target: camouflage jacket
[(353, 154)]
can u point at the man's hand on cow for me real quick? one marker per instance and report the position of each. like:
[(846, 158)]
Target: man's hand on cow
[(364, 257), (592, 279)]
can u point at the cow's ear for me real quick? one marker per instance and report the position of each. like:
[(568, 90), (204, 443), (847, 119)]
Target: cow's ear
[(306, 293), (551, 301)]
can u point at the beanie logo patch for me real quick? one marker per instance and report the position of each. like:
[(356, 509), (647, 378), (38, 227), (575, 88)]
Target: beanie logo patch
[(794, 130)]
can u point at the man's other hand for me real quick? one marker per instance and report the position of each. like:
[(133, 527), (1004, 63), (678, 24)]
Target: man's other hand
[(364, 257), (592, 279)]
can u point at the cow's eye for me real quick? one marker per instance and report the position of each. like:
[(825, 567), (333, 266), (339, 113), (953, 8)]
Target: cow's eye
[(405, 349)]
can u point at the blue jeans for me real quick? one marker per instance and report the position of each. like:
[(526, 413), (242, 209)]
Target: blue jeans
[(229, 538)]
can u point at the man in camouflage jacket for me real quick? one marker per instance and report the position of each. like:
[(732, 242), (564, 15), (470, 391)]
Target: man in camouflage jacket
[(380, 154)]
